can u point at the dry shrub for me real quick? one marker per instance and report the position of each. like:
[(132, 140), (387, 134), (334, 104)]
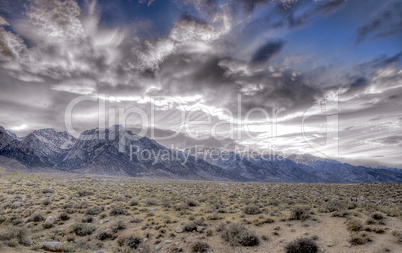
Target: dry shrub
[(236, 234), (251, 210), (302, 245), (354, 225), (299, 213), (359, 238), (199, 247)]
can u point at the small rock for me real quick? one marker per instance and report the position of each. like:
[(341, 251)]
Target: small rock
[(179, 230), (158, 247), (17, 204), (282, 240), (168, 242), (27, 213), (378, 202), (152, 209), (29, 224), (104, 221), (50, 219), (52, 246), (100, 251), (200, 228), (28, 242)]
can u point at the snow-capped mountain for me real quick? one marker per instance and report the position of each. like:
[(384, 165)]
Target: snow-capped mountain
[(101, 153), (256, 168), (42, 147), (335, 171), (116, 151), (5, 137)]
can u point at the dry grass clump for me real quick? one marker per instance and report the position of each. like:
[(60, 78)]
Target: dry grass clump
[(105, 234), (252, 210), (134, 202), (238, 235), (119, 225), (397, 233), (181, 207), (46, 201), (199, 247), (302, 245), (192, 226), (131, 241), (359, 238), (191, 202), (299, 213), (63, 216), (83, 229), (379, 230), (377, 216), (354, 225), (15, 235), (333, 206), (117, 210), (150, 202), (83, 193), (214, 216), (36, 217), (94, 210), (47, 225), (47, 190)]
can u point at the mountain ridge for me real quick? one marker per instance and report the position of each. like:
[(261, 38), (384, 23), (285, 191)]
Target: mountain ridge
[(100, 153)]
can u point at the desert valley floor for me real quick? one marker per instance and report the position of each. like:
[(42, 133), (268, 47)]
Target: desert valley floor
[(76, 213)]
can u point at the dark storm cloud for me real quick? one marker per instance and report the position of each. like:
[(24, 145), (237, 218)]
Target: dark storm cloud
[(267, 51), (387, 23)]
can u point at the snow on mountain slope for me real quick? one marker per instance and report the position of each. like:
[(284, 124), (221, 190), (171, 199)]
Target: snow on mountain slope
[(116, 151)]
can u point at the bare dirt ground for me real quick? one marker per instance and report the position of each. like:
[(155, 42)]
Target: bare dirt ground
[(77, 213)]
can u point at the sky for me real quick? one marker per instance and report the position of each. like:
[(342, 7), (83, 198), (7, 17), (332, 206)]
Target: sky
[(287, 76)]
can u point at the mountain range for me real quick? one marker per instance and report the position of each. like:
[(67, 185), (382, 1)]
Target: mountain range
[(118, 152)]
